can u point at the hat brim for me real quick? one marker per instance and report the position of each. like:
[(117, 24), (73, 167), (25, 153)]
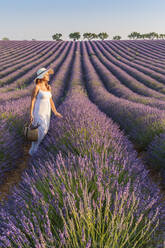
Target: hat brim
[(50, 71)]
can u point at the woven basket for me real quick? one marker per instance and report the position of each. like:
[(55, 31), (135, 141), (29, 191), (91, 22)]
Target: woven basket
[(30, 132)]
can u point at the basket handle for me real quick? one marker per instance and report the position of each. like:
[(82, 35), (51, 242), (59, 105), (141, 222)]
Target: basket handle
[(30, 124)]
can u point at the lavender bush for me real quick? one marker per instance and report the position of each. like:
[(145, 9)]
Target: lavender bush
[(156, 154), (80, 195), (85, 186), (126, 56), (14, 114), (148, 76), (115, 86)]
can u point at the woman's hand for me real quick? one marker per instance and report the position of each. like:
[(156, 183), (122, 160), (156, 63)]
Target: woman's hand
[(51, 71), (58, 115), (31, 118)]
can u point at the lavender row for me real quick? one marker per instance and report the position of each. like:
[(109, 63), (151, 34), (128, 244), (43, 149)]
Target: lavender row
[(146, 68), (137, 53), (147, 49), (155, 154), (17, 55), (138, 75), (16, 74), (158, 44), (11, 145), (141, 123), (144, 53), (15, 48), (134, 58), (20, 110), (70, 136), (26, 57), (24, 91), (6, 45), (154, 48), (22, 81), (14, 44), (84, 164), (124, 77), (115, 87)]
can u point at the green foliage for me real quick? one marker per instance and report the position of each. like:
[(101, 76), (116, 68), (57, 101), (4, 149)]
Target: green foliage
[(117, 37), (4, 115), (103, 35), (147, 134), (5, 38), (2, 155), (14, 123), (90, 36), (75, 36), (108, 221), (112, 223), (151, 35), (57, 36)]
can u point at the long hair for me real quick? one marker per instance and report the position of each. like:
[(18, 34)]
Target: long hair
[(38, 80)]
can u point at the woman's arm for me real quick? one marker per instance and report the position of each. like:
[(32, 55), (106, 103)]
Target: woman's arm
[(54, 108), (33, 98)]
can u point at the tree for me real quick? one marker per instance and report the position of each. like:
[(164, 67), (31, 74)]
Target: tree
[(57, 36), (161, 36), (143, 36), (93, 36), (134, 35), (90, 36), (5, 38), (153, 35), (103, 35), (117, 37), (156, 35), (75, 36), (130, 36), (86, 36)]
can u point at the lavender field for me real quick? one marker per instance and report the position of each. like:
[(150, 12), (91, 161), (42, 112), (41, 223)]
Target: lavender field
[(90, 183)]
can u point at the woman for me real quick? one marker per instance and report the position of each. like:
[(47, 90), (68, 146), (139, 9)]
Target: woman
[(41, 105)]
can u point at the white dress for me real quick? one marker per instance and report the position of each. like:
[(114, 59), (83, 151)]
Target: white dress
[(41, 115)]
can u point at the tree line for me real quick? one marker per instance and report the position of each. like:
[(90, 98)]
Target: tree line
[(89, 36), (151, 35), (102, 36)]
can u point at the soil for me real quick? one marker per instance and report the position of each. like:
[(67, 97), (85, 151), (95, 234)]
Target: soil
[(153, 174), (13, 177)]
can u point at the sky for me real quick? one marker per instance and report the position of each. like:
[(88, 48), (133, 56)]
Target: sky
[(39, 19)]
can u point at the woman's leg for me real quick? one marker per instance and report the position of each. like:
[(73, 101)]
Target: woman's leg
[(31, 148), (35, 144)]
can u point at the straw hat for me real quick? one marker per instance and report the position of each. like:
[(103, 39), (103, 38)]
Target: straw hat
[(41, 72)]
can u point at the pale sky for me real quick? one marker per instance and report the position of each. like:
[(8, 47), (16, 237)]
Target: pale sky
[(38, 19)]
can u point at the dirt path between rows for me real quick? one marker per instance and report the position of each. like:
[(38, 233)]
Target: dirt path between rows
[(153, 174), (13, 177)]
